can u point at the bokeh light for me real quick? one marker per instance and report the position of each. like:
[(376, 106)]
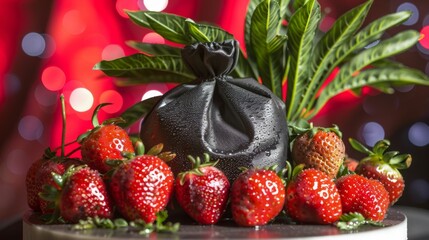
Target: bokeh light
[(33, 44), (153, 37), (154, 90), (418, 134), (408, 6), (112, 51), (50, 46), (151, 94), (420, 190), (153, 5), (372, 132), (73, 22), (53, 78), (112, 96), (30, 128), (424, 40), (122, 5), (81, 99)]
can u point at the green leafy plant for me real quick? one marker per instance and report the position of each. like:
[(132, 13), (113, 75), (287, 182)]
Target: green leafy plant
[(285, 49)]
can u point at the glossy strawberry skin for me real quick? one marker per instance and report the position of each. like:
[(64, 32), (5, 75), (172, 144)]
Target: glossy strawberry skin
[(390, 177), (106, 142), (203, 197), (142, 187), (257, 197), (312, 197), (84, 195), (324, 151), (363, 195)]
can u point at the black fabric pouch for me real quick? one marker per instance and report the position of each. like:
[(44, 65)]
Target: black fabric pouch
[(239, 122)]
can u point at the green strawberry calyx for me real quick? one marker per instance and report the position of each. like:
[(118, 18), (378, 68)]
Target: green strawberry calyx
[(154, 151), (380, 155), (137, 225), (352, 221), (197, 165), (140, 151), (300, 127)]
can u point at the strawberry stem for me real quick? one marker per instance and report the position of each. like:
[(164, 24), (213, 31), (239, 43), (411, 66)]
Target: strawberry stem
[(94, 118), (72, 151), (63, 134)]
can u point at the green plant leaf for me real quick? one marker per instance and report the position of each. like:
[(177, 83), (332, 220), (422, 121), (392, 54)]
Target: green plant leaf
[(139, 18), (195, 32), (371, 77), (247, 35), (267, 45), (154, 49), (207, 33), (243, 68), (170, 26), (392, 46), (302, 27), (137, 111), (284, 11), (299, 3), (140, 68), (325, 51), (371, 33)]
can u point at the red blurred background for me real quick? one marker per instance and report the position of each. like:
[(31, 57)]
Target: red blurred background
[(49, 47)]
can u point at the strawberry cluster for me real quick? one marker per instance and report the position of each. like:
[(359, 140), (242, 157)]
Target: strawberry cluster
[(115, 177)]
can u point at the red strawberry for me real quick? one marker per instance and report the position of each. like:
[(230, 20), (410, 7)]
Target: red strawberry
[(40, 172), (141, 187), (203, 191), (32, 187), (312, 197), (363, 195), (84, 195), (319, 148), (257, 197), (104, 142), (383, 166), (79, 193), (44, 177)]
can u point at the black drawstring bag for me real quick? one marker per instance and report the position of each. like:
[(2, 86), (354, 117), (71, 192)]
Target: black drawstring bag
[(236, 121)]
